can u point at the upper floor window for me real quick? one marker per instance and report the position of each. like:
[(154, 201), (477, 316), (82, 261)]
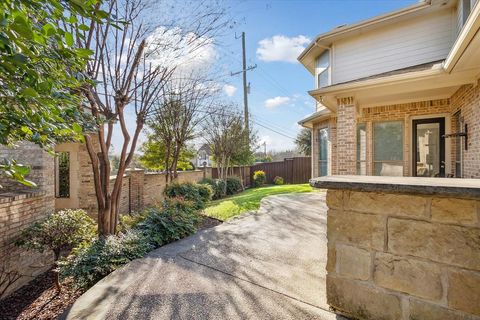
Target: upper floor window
[(322, 69)]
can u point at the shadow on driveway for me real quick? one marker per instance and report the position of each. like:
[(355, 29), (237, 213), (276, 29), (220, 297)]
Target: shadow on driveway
[(264, 265)]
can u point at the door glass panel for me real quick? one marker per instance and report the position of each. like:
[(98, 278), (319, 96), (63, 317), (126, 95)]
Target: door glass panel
[(323, 151), (428, 149)]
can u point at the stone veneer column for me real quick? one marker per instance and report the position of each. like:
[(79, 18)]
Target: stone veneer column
[(346, 136), (136, 188)]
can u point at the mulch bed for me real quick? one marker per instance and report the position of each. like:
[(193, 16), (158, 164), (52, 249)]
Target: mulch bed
[(208, 222), (39, 300)]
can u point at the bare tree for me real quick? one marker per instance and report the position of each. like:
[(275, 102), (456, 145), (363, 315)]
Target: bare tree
[(225, 134), (132, 62), (185, 103)]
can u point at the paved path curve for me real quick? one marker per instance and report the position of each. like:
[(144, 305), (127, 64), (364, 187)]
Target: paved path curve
[(267, 265)]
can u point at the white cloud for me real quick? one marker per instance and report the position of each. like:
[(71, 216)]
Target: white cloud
[(229, 90), (187, 51), (276, 102), (281, 48)]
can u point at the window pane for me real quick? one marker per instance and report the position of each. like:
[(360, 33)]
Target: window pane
[(388, 141), (392, 169), (323, 168), (322, 69), (323, 144), (361, 142)]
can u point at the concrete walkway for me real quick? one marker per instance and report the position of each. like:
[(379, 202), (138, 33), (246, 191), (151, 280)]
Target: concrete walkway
[(267, 265)]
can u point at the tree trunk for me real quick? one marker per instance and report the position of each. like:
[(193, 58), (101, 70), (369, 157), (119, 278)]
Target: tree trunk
[(56, 254)]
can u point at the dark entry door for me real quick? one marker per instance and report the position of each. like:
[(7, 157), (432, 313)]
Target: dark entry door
[(429, 147)]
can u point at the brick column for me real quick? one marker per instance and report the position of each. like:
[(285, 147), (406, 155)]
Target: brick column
[(346, 136), (136, 188)]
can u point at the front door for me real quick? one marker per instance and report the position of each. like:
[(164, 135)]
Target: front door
[(429, 147)]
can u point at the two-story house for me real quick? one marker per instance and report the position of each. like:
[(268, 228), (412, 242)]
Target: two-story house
[(398, 94)]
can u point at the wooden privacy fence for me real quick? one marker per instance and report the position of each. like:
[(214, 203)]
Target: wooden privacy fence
[(241, 172), (292, 170)]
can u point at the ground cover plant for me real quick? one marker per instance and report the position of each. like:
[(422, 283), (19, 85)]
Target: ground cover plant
[(249, 200)]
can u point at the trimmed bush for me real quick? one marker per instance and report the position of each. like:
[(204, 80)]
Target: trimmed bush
[(177, 219), (174, 219), (199, 194), (217, 187), (234, 185), (278, 181), (259, 178)]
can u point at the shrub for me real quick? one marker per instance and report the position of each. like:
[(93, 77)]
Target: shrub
[(278, 180), (198, 193), (91, 262), (217, 185), (259, 178), (177, 219), (234, 185), (59, 232), (174, 219)]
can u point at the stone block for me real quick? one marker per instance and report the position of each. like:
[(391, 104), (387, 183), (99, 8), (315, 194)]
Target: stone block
[(422, 310), (461, 211), (464, 291), (362, 230), (454, 245), (334, 199), (331, 258), (418, 278), (353, 262), (387, 204), (360, 301)]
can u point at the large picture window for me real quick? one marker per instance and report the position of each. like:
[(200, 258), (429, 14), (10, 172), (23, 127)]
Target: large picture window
[(388, 148), (361, 149), (323, 152)]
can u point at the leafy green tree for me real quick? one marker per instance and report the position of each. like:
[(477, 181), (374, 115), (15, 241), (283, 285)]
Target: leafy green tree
[(155, 155), (40, 71), (304, 141), (59, 232)]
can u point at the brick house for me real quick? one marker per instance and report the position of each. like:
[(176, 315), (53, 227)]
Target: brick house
[(398, 94)]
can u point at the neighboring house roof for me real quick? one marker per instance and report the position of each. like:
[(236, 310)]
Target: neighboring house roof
[(205, 148)]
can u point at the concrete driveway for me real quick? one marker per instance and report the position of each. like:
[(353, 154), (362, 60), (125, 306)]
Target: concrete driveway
[(267, 265)]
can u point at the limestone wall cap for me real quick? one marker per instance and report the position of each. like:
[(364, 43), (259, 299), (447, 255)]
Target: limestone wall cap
[(447, 187)]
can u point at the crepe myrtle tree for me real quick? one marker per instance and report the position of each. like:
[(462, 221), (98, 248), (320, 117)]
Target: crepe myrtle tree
[(133, 60)]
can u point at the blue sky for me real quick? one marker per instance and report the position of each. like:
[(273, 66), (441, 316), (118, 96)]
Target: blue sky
[(279, 84), (276, 32)]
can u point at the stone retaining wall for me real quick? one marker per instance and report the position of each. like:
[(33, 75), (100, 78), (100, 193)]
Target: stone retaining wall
[(403, 256)]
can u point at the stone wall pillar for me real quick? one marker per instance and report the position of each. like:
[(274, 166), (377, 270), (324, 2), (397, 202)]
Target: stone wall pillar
[(136, 177), (346, 136)]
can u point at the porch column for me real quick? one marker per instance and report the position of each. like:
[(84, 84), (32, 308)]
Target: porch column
[(346, 136)]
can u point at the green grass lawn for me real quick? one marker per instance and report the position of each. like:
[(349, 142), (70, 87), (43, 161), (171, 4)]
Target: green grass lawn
[(249, 200)]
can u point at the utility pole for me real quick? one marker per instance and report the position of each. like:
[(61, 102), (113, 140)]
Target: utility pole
[(265, 148), (246, 88)]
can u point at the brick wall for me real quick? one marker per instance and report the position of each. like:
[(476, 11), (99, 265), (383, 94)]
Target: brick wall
[(403, 256), (20, 206), (467, 101)]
